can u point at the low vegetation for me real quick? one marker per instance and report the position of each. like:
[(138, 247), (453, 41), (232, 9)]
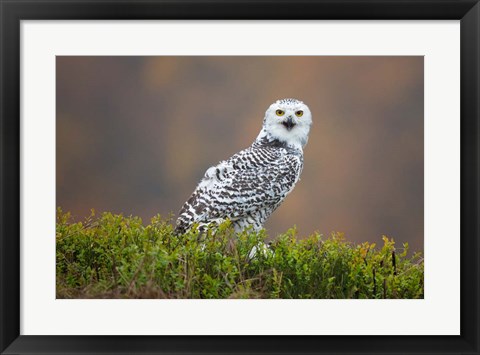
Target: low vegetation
[(112, 256)]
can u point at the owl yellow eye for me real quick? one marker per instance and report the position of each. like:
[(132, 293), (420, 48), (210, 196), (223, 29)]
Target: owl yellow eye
[(299, 113), (280, 112)]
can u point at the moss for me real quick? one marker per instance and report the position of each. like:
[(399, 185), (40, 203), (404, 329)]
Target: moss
[(112, 256)]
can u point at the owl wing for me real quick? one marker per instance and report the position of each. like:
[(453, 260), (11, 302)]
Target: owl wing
[(249, 181)]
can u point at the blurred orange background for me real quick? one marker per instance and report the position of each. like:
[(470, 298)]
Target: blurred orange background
[(136, 134)]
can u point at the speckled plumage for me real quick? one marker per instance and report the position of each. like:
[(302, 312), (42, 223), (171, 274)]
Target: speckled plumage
[(249, 186)]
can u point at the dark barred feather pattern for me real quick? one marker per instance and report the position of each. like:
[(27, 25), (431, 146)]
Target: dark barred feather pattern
[(246, 188)]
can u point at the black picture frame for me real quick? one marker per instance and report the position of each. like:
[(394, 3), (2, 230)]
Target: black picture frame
[(12, 12)]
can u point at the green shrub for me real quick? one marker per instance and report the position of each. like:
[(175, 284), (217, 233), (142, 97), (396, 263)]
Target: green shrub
[(112, 256)]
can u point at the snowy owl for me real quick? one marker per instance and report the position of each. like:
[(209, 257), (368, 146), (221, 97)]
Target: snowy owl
[(250, 185)]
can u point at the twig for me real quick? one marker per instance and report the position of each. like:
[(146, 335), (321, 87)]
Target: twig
[(135, 275), (394, 263)]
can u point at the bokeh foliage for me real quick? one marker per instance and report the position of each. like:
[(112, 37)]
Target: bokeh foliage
[(113, 256)]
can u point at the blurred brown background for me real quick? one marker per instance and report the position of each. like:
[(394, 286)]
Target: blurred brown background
[(136, 134)]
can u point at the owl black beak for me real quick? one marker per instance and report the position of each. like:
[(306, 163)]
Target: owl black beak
[(288, 123)]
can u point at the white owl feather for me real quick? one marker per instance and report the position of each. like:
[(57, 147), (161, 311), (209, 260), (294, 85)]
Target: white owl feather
[(250, 185)]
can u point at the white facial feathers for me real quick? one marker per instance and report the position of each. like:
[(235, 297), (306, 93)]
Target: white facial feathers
[(289, 121)]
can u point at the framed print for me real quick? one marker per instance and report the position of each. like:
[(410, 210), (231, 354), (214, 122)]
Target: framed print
[(239, 177)]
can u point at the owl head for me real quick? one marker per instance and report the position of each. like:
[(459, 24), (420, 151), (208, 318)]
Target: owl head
[(289, 121)]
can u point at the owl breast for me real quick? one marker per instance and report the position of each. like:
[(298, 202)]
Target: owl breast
[(247, 188)]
